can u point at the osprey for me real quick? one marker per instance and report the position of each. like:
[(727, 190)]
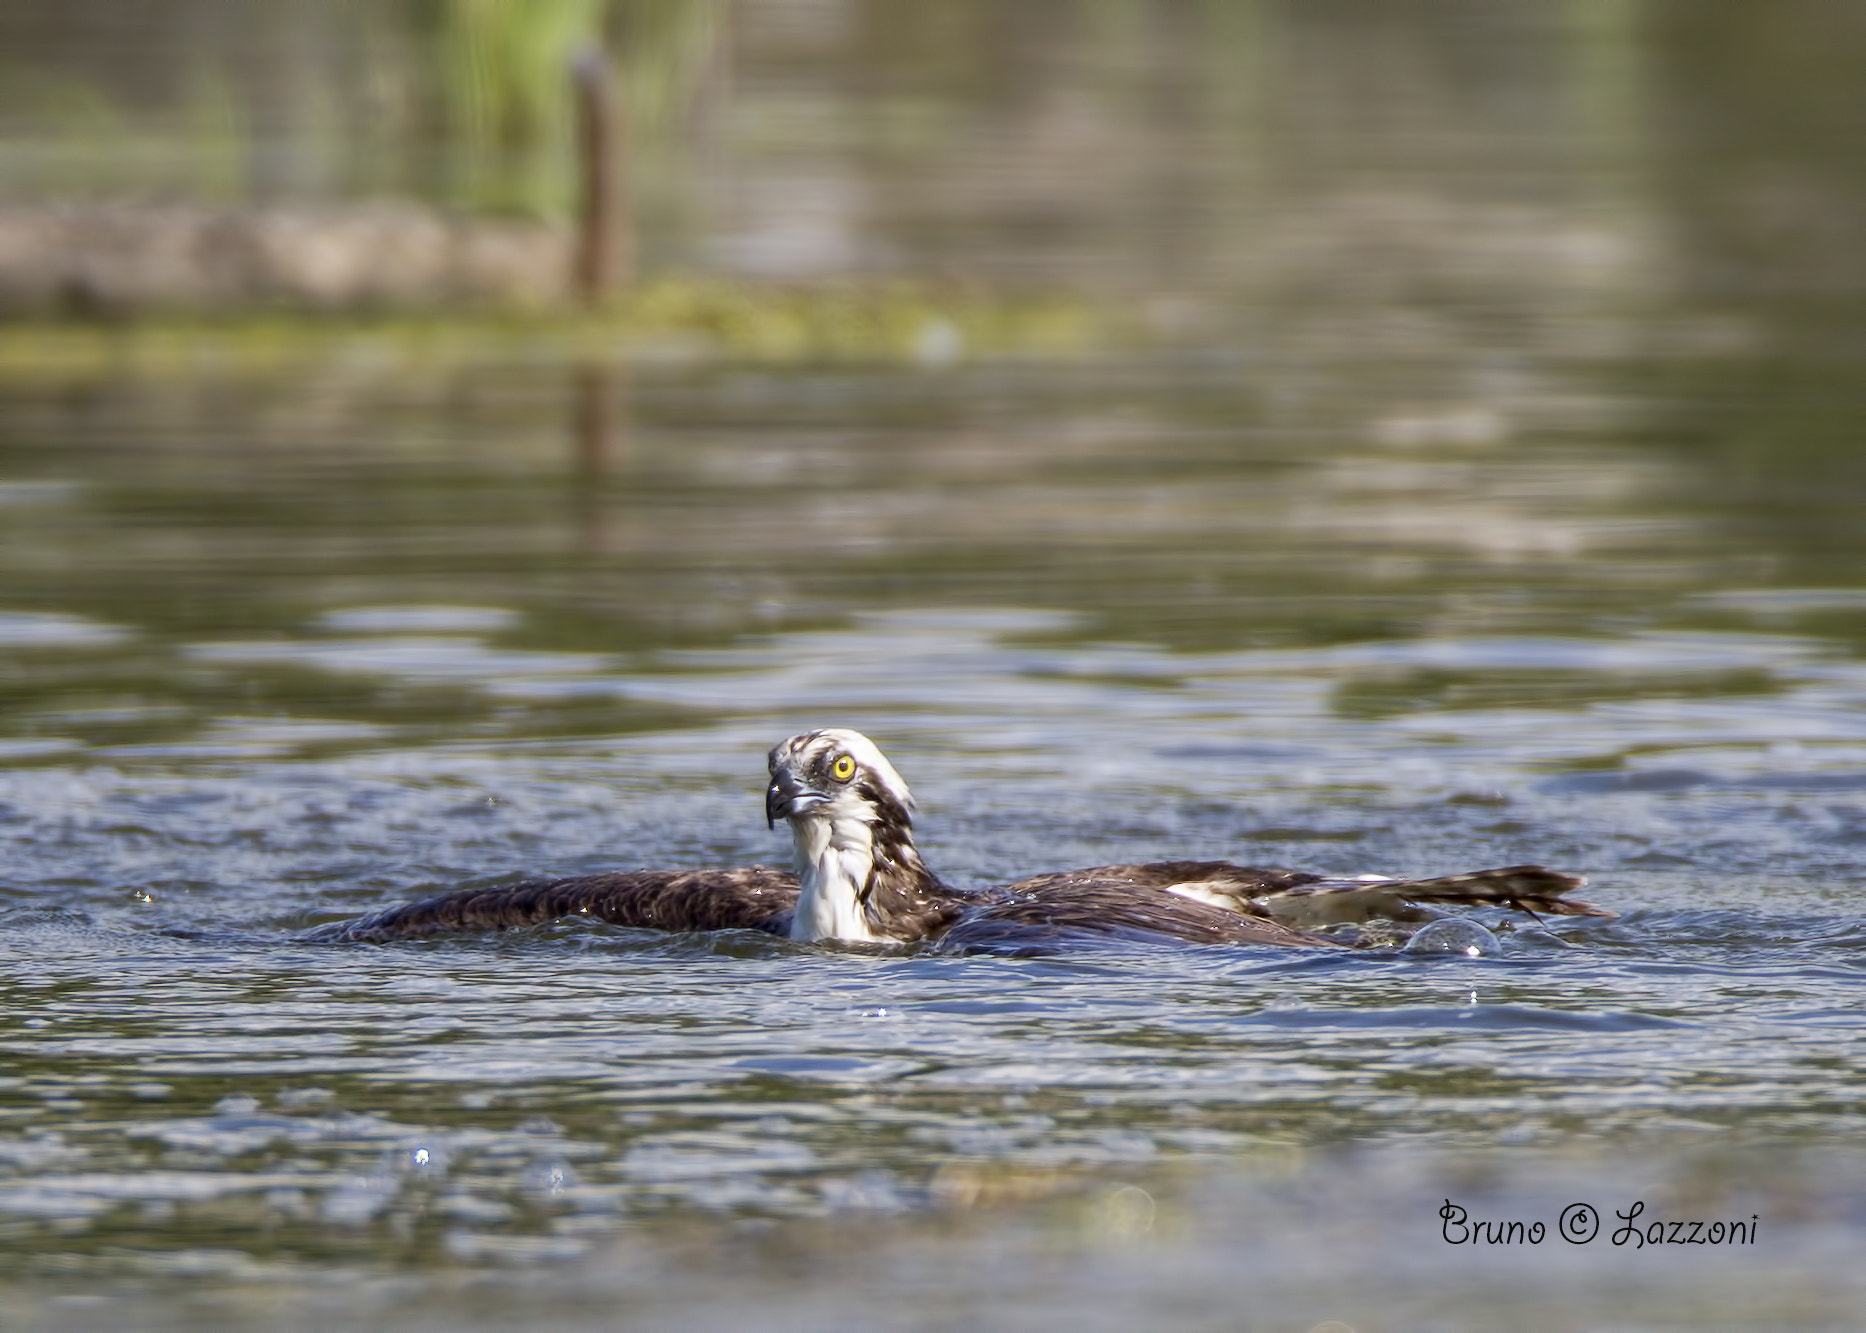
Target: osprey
[(860, 879)]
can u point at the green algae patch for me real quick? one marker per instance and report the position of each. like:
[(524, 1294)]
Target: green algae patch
[(670, 318)]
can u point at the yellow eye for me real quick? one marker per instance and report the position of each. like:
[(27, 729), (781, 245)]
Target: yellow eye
[(843, 769)]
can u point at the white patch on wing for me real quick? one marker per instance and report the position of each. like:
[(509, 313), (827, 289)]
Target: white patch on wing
[(1204, 893)]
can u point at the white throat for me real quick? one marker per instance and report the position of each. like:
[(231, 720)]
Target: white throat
[(834, 858)]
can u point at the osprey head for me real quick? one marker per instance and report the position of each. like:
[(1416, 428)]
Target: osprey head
[(835, 775)]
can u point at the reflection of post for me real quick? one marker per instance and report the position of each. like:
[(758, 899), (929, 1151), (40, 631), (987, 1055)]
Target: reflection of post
[(603, 255), (598, 439)]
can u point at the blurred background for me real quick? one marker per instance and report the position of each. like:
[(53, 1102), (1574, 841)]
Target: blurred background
[(1372, 436), (1165, 152)]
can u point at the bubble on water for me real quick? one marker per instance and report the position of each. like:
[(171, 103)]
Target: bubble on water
[(1454, 936)]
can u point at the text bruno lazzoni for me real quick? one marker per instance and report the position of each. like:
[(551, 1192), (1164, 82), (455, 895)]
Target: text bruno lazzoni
[(1579, 1223)]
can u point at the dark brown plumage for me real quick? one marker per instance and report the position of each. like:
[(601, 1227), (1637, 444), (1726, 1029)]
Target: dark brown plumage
[(1304, 898), (1080, 906), (749, 898)]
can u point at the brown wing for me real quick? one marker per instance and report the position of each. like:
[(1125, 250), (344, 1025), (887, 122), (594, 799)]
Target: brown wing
[(1532, 889), (1220, 877), (1081, 907), (752, 898), (1306, 900)]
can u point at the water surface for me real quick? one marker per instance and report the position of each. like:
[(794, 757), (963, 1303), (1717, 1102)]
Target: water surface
[(1461, 517), (263, 676)]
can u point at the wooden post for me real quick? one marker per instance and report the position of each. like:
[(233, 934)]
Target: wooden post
[(603, 250)]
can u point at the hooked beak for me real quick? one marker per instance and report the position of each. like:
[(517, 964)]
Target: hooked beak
[(786, 797)]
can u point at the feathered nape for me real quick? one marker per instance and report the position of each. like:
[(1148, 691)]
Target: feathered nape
[(903, 900)]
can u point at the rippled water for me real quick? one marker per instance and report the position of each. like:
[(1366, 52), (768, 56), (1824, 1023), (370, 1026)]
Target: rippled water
[(261, 676), (1452, 520)]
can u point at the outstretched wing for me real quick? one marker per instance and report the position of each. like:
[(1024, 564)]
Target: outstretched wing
[(752, 898), (1309, 901), (1050, 912), (1532, 889), (1211, 880)]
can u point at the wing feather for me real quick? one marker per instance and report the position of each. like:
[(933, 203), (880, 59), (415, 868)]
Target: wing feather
[(1307, 901), (751, 898), (1219, 876), (1527, 888), (1078, 907)]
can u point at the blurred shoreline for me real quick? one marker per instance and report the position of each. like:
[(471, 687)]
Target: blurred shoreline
[(116, 260)]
